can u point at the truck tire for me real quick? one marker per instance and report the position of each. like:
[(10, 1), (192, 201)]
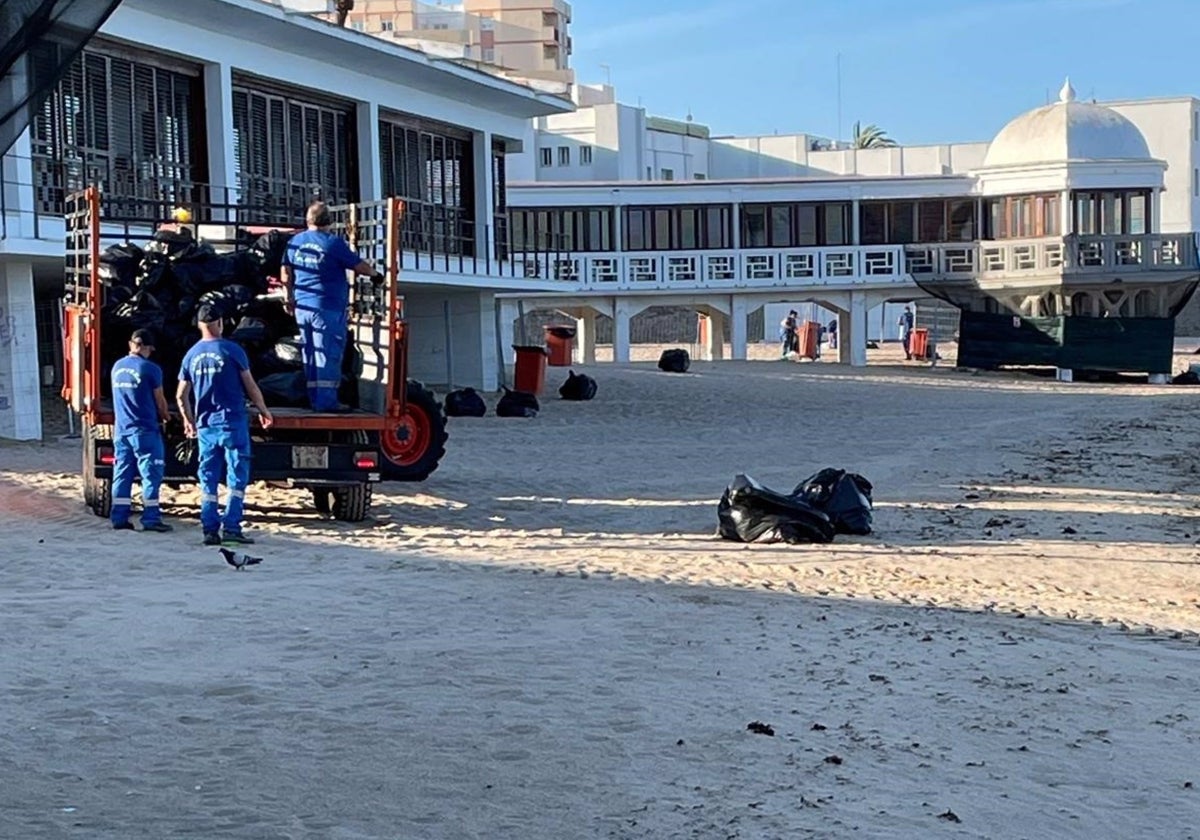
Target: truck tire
[(352, 502), (413, 450), (97, 492)]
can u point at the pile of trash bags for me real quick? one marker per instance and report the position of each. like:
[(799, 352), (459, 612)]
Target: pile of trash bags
[(160, 287), (825, 504)]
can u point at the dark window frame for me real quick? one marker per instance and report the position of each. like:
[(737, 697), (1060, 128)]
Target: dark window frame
[(661, 227)]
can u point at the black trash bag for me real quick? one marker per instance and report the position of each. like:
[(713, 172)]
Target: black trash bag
[(154, 274), (749, 512), (465, 402), (579, 386), (288, 350), (675, 361), (285, 389), (215, 271), (173, 244), (119, 266), (844, 497), (517, 404), (253, 334), (230, 301), (284, 357), (114, 296), (266, 254), (1188, 377), (352, 369)]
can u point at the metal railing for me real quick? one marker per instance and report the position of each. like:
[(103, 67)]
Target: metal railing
[(1089, 254)]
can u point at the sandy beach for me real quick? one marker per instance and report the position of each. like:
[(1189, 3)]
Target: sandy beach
[(547, 640)]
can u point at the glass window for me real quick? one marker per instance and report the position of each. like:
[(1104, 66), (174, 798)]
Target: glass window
[(564, 155), (873, 223), (962, 221), (716, 227), (637, 230), (781, 226), (662, 229), (547, 157), (806, 225), (1085, 213), (687, 229), (1051, 216), (837, 224), (668, 174), (901, 222), (1137, 213), (931, 221), (585, 155), (754, 226)]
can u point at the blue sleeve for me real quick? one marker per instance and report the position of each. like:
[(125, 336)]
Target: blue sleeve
[(342, 254)]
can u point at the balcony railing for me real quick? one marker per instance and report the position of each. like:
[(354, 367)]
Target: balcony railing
[(744, 268), (1088, 254)]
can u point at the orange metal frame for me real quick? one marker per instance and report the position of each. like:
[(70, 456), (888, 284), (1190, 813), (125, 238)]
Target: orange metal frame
[(83, 226)]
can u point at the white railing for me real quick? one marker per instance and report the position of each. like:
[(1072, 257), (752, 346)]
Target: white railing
[(1088, 254), (743, 268)]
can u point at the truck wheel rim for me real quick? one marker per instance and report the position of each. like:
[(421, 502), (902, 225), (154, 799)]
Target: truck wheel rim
[(409, 439)]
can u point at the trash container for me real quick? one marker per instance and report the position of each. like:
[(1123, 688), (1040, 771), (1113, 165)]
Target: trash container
[(918, 343), (809, 340), (529, 373), (560, 344)]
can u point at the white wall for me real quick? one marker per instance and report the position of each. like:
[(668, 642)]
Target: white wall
[(20, 376), (1169, 127)]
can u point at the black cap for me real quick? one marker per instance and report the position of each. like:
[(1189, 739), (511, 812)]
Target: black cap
[(142, 337), (208, 312)]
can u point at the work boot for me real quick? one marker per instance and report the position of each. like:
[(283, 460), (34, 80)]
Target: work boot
[(158, 527), (212, 538), (123, 526), (237, 538)]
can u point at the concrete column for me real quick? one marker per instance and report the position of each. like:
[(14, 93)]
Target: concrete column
[(843, 348), (489, 371), (713, 348), (856, 329), (508, 316), (623, 312), (738, 327), (218, 126), (855, 222), (20, 376), (585, 338), (370, 172), (485, 206), (736, 221), (1067, 211)]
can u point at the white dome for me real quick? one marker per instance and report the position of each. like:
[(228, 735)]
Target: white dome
[(1067, 131)]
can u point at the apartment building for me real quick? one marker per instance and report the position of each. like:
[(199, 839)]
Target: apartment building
[(526, 37)]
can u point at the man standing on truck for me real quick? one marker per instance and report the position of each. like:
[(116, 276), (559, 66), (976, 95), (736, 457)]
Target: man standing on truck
[(314, 274), (139, 407), (218, 373)]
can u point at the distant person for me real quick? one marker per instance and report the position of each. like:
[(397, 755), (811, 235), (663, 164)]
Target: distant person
[(789, 340), (906, 327), (831, 331), (314, 274), (216, 374), (139, 408)]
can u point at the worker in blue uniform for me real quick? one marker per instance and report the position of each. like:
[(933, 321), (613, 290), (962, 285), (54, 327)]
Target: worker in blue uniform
[(214, 383), (139, 408), (318, 292)]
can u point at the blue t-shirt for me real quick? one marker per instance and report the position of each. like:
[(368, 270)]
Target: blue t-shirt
[(319, 261), (214, 368), (134, 381)]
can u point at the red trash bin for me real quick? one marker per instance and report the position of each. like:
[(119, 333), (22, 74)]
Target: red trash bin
[(918, 343), (810, 340), (529, 373), (560, 344)]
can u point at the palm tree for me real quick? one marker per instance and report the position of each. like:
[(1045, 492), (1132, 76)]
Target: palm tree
[(871, 137)]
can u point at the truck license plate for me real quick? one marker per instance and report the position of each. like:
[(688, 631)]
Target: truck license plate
[(310, 457)]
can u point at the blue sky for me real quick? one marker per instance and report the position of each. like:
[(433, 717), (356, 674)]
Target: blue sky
[(927, 71)]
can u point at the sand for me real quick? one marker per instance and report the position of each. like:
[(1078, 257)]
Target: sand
[(546, 640)]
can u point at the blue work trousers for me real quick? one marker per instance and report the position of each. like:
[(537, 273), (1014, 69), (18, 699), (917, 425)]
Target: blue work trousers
[(324, 334), (224, 453), (140, 453)]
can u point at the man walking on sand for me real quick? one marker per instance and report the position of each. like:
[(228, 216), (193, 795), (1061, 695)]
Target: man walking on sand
[(314, 274), (138, 407), (216, 373)]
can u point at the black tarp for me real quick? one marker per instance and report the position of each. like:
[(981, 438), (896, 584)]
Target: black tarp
[(24, 24)]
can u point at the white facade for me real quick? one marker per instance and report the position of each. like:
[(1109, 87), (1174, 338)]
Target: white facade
[(222, 41)]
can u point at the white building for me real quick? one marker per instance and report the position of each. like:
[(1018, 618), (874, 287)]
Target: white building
[(1060, 215), (224, 100)]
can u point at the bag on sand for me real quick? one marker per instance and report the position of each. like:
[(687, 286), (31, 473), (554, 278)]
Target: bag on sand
[(675, 361), (749, 512), (517, 404), (465, 402), (844, 497), (579, 386)]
